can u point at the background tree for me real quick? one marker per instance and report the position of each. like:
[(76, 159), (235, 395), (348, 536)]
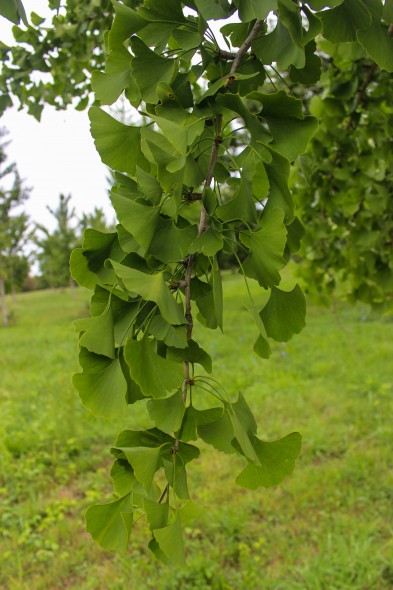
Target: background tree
[(66, 50), (14, 227), (344, 184), (96, 220), (55, 247)]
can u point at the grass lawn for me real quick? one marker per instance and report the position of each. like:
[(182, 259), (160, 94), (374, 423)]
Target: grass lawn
[(327, 527)]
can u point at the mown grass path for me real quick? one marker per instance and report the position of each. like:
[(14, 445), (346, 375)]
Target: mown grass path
[(328, 527)]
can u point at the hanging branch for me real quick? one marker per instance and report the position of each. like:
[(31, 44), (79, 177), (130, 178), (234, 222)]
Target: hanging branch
[(209, 177)]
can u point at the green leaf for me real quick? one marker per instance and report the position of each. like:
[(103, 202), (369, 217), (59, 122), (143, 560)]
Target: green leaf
[(102, 385), (149, 69), (149, 186), (311, 72), (267, 248), (284, 116), (277, 460), (117, 144), (124, 312), (279, 47), (241, 207), (209, 242), (145, 461), (172, 335), (167, 413), (170, 540), (343, 22), (259, 135), (98, 333), (117, 77), (244, 414), (280, 197), (140, 220), (36, 19), (157, 514), (193, 353), (80, 271), (126, 23), (252, 9), (319, 4), (194, 418), (378, 42), (176, 476), (284, 314), (223, 83), (213, 9), (134, 393), (98, 247), (244, 427), (262, 348), (151, 288), (155, 375), (219, 434), (171, 243), (254, 172), (170, 11), (14, 11), (123, 477), (290, 16), (110, 524)]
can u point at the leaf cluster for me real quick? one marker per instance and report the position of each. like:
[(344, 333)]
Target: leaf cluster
[(206, 173)]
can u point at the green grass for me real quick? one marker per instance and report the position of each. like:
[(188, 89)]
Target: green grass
[(328, 527)]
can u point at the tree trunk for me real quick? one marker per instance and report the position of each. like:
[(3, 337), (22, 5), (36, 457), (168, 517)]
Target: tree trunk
[(3, 303)]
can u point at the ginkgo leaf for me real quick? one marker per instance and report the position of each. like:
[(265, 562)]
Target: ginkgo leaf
[(157, 514), (267, 248), (194, 418), (193, 353), (126, 23), (167, 413), (145, 461), (80, 271), (110, 524), (170, 540), (148, 69), (102, 385), (152, 288), (284, 116), (117, 144), (171, 335), (252, 9), (277, 460), (98, 333), (123, 477), (284, 314), (155, 375)]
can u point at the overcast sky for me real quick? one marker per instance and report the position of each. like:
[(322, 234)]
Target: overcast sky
[(56, 155)]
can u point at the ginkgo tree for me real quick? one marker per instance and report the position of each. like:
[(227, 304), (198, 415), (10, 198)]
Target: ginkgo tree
[(205, 173)]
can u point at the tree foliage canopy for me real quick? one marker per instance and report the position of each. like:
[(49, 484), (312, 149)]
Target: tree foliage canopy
[(15, 228)]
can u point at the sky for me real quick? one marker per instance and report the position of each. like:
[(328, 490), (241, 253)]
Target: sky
[(56, 155)]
